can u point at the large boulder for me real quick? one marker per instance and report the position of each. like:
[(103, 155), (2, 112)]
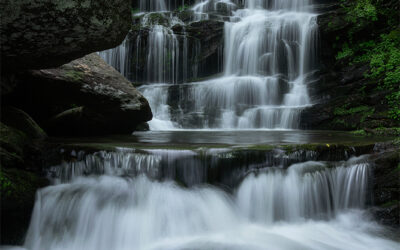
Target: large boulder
[(83, 97), (37, 34)]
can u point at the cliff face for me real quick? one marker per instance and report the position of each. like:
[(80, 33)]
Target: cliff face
[(359, 81)]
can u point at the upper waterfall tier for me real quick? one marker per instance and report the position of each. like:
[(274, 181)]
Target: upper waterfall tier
[(270, 52), (159, 5)]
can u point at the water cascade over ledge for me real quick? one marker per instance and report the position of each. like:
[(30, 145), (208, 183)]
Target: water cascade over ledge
[(270, 54), (130, 200)]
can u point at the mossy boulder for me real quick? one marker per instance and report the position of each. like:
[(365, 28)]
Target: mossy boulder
[(20, 120), (20, 172), (21, 140), (17, 194), (38, 34), (53, 97), (12, 144)]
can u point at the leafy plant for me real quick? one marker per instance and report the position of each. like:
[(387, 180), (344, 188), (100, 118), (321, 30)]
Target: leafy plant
[(381, 51)]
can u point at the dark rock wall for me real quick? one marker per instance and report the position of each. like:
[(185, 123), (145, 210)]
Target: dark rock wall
[(48, 33), (21, 162), (204, 47), (386, 187), (346, 98)]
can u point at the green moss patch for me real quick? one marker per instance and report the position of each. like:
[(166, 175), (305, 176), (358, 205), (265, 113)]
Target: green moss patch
[(74, 75)]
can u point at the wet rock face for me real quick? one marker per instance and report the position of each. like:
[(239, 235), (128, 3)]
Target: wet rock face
[(84, 97), (204, 47), (386, 187), (345, 99), (48, 33)]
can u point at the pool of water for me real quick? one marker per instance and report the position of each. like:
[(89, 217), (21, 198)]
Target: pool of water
[(227, 137)]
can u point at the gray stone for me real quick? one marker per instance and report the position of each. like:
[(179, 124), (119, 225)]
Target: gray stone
[(36, 34), (84, 97)]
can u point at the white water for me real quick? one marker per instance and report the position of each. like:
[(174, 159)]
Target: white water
[(269, 54), (202, 8), (308, 206), (269, 57), (159, 5), (153, 5)]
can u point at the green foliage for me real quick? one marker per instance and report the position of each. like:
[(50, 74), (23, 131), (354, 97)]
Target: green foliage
[(135, 11), (74, 75), (183, 7), (19, 185), (385, 64), (359, 13), (344, 111), (359, 132), (380, 51), (345, 53), (6, 186), (361, 10)]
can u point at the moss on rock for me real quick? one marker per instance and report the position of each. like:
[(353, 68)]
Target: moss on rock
[(17, 192)]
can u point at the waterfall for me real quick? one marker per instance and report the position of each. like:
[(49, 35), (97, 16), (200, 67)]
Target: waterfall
[(270, 54), (294, 195), (270, 51), (117, 57), (202, 8), (153, 5), (112, 201)]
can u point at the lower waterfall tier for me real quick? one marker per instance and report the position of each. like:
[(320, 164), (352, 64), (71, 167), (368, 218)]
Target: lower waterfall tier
[(304, 207), (203, 198)]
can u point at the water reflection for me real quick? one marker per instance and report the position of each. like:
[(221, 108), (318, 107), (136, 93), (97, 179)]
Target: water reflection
[(249, 137)]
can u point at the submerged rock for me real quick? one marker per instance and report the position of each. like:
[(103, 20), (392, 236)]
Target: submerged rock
[(109, 103), (48, 33)]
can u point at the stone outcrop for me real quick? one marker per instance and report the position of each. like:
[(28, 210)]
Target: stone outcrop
[(48, 33), (83, 97)]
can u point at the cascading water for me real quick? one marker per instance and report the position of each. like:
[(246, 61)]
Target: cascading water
[(153, 5), (161, 51), (270, 51), (202, 8), (105, 201)]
